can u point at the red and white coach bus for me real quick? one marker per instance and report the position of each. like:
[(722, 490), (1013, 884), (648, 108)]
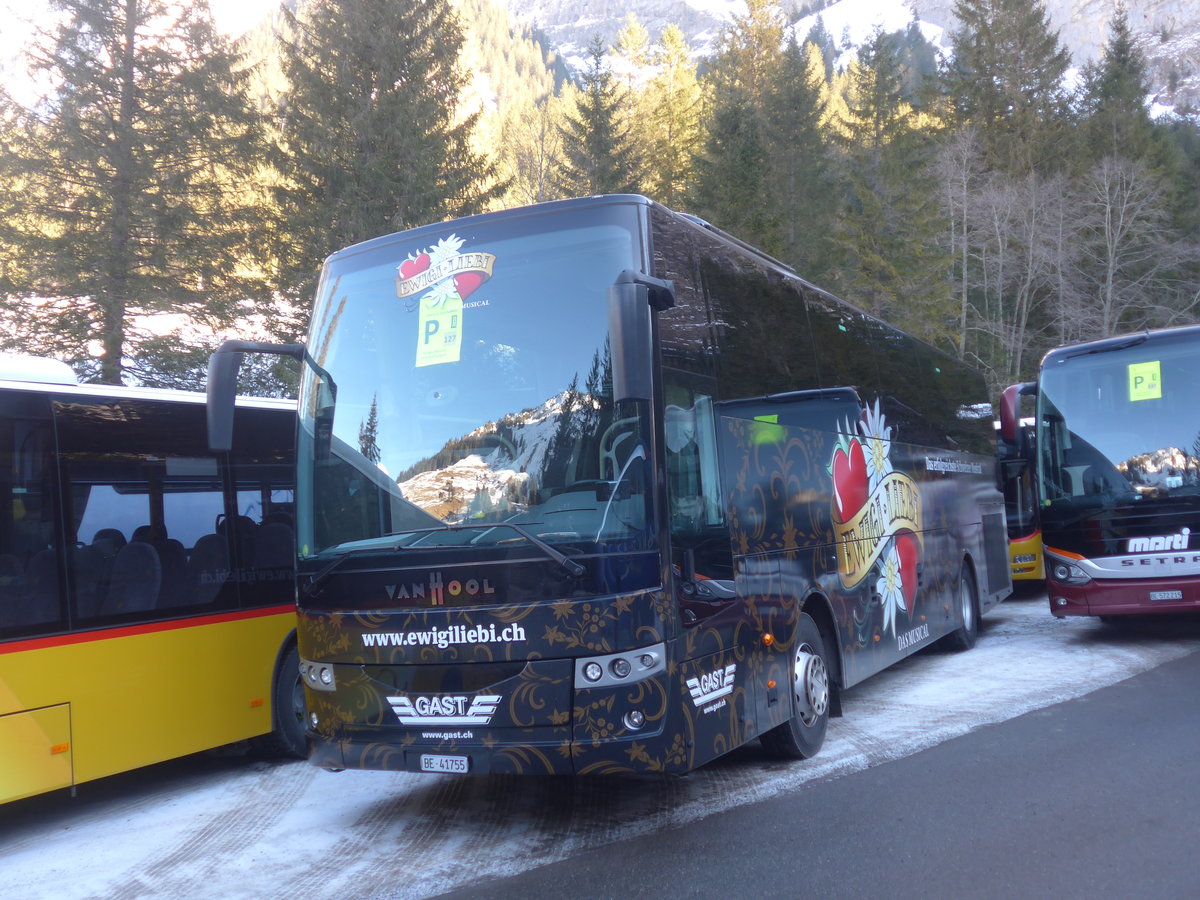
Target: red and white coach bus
[(1116, 453)]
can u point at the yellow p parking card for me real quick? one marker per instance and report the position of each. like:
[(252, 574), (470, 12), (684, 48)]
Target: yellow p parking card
[(1145, 381), (439, 330)]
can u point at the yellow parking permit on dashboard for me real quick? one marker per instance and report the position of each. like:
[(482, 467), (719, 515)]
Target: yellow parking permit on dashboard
[(1145, 381)]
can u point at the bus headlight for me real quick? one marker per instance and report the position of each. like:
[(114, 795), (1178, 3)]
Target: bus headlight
[(318, 676), (1069, 573), (621, 668)]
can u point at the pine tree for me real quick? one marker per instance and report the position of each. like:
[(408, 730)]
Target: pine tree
[(889, 232), (733, 169), (135, 188), (368, 433), (1114, 97), (673, 116), (372, 136), (1006, 80), (598, 154), (802, 188)]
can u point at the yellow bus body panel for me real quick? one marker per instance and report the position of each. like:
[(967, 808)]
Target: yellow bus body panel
[(143, 694), (1032, 565), (36, 749)]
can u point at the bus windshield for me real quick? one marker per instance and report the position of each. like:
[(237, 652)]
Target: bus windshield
[(472, 377), (1120, 425)]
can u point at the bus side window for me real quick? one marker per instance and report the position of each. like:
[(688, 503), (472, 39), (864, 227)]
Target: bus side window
[(699, 538), (30, 586), (693, 490)]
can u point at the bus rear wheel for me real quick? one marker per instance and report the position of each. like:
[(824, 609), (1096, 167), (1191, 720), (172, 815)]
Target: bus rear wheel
[(802, 735)]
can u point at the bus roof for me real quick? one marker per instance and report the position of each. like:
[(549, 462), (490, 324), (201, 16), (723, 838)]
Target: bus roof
[(1104, 345), (121, 391), (38, 369)]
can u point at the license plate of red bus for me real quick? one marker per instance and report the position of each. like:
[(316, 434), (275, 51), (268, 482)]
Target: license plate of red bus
[(1166, 595), (459, 765)]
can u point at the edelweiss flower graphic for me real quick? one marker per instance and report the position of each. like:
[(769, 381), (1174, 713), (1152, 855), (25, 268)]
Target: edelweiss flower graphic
[(890, 588), (445, 290), (877, 440)]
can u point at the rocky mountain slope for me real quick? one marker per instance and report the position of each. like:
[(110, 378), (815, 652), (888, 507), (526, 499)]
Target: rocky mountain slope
[(1169, 30)]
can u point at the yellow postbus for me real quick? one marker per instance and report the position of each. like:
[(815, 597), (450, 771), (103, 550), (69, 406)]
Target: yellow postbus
[(146, 584)]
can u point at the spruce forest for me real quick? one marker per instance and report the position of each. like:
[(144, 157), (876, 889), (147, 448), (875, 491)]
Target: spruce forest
[(170, 188)]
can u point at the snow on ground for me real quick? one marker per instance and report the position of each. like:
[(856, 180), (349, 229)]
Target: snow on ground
[(236, 828)]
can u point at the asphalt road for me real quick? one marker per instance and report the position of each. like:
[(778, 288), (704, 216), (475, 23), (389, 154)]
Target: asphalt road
[(1093, 797)]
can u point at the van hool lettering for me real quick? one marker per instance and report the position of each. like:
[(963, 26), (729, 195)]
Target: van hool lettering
[(436, 589)]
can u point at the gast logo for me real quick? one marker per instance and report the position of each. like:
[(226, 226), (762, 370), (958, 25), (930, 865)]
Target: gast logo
[(710, 687), (1160, 542), (446, 710)]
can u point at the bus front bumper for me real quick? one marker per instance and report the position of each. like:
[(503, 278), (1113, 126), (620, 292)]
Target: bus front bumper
[(1117, 597)]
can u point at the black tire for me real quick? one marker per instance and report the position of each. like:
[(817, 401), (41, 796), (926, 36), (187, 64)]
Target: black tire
[(802, 735), (968, 610), (287, 711)]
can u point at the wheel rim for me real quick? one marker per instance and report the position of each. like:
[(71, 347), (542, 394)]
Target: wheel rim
[(810, 684), (967, 602), (298, 710)]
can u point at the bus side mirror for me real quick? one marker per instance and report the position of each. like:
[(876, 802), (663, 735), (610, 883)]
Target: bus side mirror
[(223, 369), (1010, 409), (631, 331), (630, 342)]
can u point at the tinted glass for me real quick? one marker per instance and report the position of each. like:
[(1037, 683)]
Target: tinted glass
[(30, 582), (473, 385), (1121, 425)]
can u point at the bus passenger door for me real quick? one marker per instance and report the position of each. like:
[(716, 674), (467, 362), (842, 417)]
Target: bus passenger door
[(717, 696)]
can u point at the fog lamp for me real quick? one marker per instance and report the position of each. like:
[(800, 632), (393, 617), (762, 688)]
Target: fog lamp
[(635, 719)]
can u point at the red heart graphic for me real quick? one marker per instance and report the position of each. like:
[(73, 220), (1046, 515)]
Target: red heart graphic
[(466, 282), (909, 553), (411, 267), (850, 481)]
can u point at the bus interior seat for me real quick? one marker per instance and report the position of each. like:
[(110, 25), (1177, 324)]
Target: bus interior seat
[(90, 565), (242, 529), (39, 595), (274, 547), (173, 558), (208, 568), (113, 535), (135, 580)]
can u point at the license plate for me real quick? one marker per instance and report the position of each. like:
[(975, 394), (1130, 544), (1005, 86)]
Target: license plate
[(1166, 595), (456, 764)]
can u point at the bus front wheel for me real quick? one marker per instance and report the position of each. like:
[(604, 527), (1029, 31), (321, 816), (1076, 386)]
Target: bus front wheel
[(801, 736), (968, 609), (287, 712)]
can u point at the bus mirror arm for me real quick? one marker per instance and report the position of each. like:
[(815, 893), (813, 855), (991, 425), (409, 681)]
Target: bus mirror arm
[(223, 368)]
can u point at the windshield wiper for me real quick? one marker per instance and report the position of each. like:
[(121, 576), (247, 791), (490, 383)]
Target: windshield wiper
[(573, 568), (1108, 348), (550, 550), (324, 572)]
